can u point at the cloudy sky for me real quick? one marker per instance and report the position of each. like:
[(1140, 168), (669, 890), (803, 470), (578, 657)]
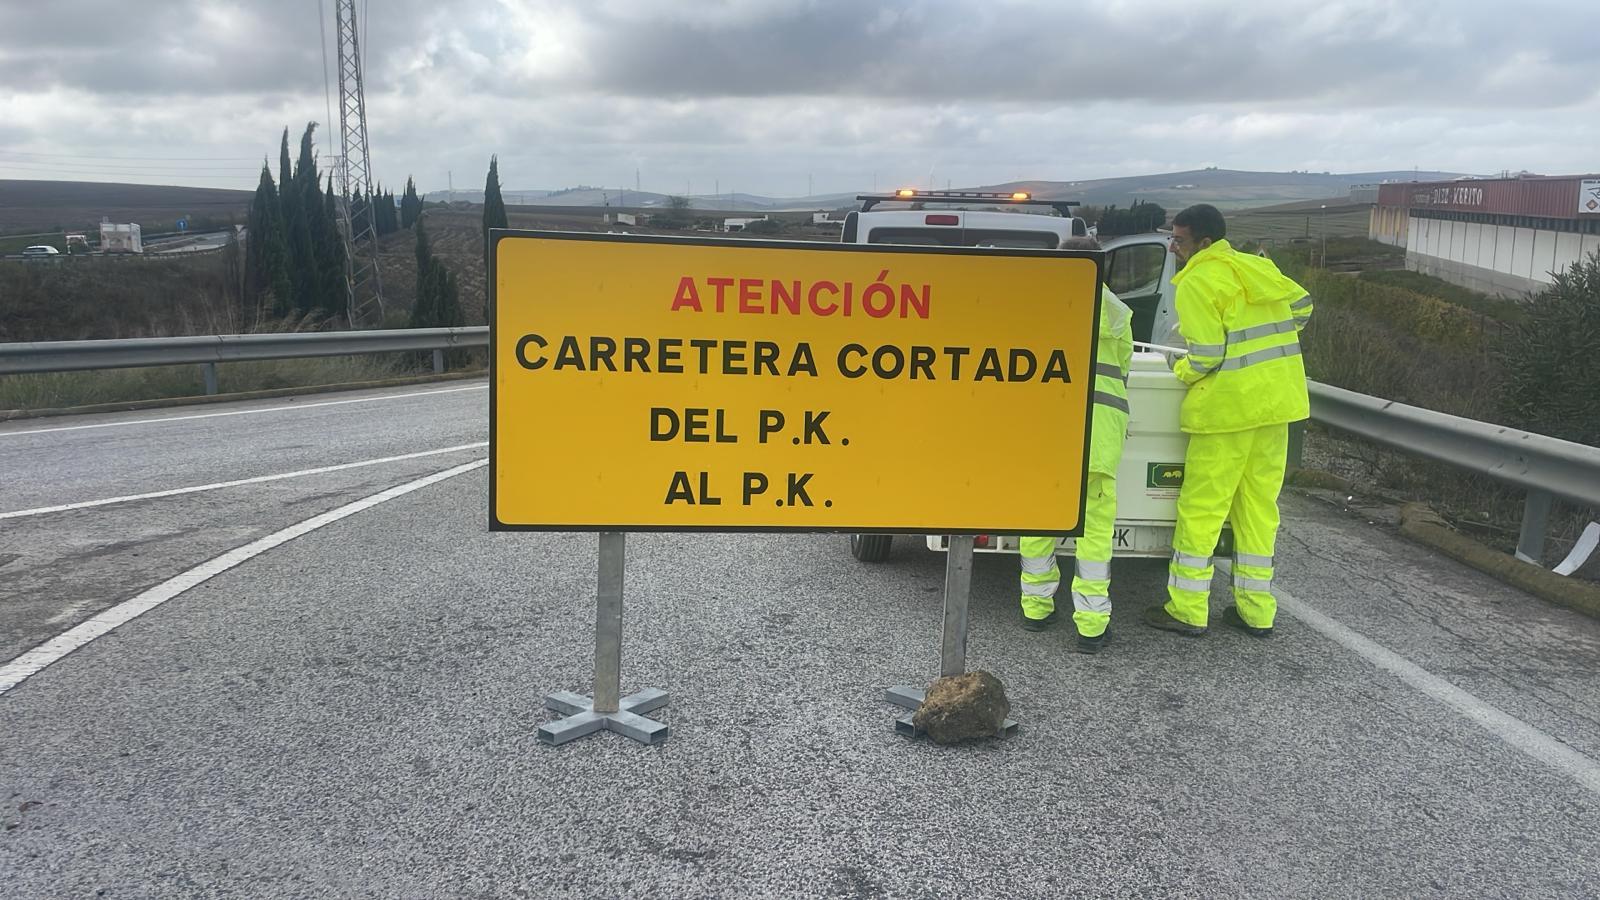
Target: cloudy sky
[(773, 97)]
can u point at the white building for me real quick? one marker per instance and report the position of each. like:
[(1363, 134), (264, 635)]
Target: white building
[(1506, 236)]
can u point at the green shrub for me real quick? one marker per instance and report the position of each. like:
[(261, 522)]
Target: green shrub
[(1551, 384)]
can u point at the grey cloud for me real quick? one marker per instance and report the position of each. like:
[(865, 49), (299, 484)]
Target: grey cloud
[(761, 95), (1314, 52), (1376, 53), (189, 49)]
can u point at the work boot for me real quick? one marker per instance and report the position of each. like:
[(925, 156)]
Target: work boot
[(1032, 624), (1157, 617), (1087, 644), (1231, 617)]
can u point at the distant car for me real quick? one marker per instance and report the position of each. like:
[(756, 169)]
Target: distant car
[(38, 250)]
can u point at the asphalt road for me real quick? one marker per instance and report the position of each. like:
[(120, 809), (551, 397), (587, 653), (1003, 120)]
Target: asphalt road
[(191, 244), (351, 712)]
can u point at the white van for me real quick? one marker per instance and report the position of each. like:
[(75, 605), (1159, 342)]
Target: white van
[(1139, 270)]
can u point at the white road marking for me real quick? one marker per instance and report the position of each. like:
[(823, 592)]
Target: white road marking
[(32, 662), (259, 479), (1526, 738), (244, 412)]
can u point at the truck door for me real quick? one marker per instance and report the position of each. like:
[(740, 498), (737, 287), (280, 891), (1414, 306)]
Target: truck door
[(1135, 276)]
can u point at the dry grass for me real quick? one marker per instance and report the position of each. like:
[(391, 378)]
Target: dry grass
[(67, 389)]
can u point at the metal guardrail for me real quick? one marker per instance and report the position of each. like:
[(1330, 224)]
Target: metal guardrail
[(208, 350), (1546, 467)]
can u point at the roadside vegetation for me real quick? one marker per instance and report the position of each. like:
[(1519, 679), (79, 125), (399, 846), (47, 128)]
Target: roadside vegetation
[(1407, 337), (287, 275)]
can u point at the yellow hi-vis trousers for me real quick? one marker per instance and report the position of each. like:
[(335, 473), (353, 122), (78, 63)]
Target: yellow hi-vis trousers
[(1091, 581), (1236, 476)]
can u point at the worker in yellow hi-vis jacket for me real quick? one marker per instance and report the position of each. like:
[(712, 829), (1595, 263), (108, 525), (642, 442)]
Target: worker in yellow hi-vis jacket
[(1091, 581), (1240, 318)]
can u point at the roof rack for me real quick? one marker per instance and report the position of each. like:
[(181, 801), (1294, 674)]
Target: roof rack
[(911, 195)]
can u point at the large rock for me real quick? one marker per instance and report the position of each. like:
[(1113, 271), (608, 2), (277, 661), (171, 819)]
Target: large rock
[(962, 707)]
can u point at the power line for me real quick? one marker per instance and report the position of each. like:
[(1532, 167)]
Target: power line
[(327, 89), (73, 167), (13, 166), (156, 158), (132, 167)]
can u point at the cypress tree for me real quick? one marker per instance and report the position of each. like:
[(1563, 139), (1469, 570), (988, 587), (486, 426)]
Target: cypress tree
[(422, 312), (297, 213), (263, 208), (358, 208), (330, 254), (410, 204), (284, 172), (267, 260), (386, 213), (494, 208), (379, 228)]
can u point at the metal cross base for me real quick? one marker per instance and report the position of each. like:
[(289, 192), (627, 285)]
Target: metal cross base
[(581, 719), (911, 698)]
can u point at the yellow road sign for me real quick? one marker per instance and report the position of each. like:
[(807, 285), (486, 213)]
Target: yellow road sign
[(658, 383)]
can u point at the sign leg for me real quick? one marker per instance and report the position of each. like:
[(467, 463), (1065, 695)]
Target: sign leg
[(957, 594), (608, 710), (953, 644), (608, 624)]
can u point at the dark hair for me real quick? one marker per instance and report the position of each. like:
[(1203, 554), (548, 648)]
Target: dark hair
[(1080, 243), (1203, 221)]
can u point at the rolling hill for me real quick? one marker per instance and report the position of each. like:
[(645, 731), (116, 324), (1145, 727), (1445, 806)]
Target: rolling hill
[(1226, 188), (40, 206), (80, 205)]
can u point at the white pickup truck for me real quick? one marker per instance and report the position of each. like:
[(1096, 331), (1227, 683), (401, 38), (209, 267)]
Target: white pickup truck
[(1139, 271)]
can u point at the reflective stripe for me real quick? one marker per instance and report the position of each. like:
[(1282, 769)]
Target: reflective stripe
[(1256, 331), (1252, 584), (1208, 349), (1250, 559), (1200, 368), (1089, 570), (1261, 356), (1111, 400), (1096, 603), (1188, 584), (1039, 565), (1041, 585), (1110, 371), (1302, 303), (1193, 562)]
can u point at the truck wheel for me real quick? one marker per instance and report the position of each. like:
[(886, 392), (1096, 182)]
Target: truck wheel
[(870, 548)]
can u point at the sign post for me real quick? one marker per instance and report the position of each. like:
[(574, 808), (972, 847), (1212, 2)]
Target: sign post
[(643, 383), (607, 710), (953, 643)]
